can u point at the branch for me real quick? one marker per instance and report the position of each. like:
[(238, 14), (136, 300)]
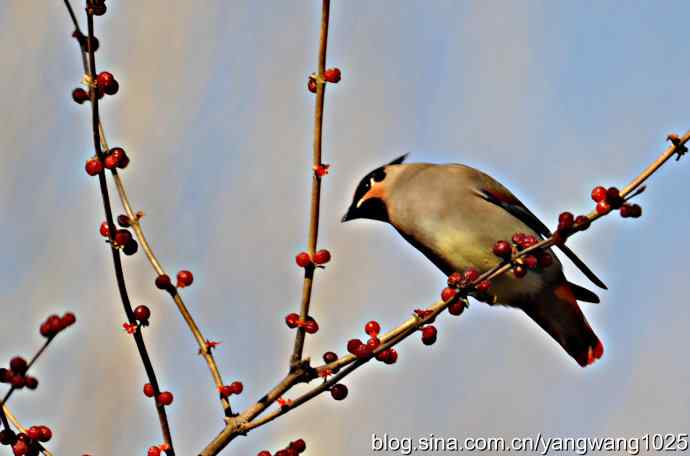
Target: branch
[(119, 275), (315, 185), (135, 218)]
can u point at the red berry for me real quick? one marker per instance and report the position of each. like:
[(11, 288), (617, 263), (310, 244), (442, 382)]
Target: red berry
[(31, 382), (298, 445), (18, 365), (311, 85), (165, 398), (545, 260), (123, 221), (54, 324), (363, 351), (5, 375), (93, 166), (184, 279), (303, 259), (45, 330), (531, 261), (104, 229), (625, 210), (613, 197), (456, 308), (332, 75), (148, 390), (518, 238), (483, 286), (429, 334), (392, 356), (46, 433), (311, 327), (330, 357), (68, 319), (519, 271), (122, 158), (80, 95), (130, 247), (471, 275), (454, 279), (154, 451), (603, 207), (142, 313), (502, 249), (582, 222), (7, 437), (163, 282), (104, 78), (225, 391), (33, 432), (237, 387), (528, 241), (372, 328), (447, 293), (565, 221), (635, 211), (112, 88), (291, 320), (98, 9), (599, 194), (20, 448), (353, 345), (339, 391), (373, 343), (111, 161), (122, 237), (264, 453), (18, 381), (322, 257)]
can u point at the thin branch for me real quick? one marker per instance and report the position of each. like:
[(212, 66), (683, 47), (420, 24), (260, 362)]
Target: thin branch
[(315, 184), (13, 419), (119, 274)]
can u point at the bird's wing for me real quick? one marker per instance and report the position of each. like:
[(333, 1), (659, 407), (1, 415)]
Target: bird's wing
[(502, 197)]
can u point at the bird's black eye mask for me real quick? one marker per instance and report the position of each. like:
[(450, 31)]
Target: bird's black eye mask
[(377, 175)]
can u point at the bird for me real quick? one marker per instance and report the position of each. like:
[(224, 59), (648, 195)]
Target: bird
[(454, 214)]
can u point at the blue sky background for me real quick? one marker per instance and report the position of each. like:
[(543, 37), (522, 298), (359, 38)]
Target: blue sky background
[(551, 98)]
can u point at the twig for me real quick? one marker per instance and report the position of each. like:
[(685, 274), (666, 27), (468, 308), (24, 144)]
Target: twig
[(315, 185), (119, 275), (148, 251)]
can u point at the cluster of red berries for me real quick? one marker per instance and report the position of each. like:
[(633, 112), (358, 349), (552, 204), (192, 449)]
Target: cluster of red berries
[(96, 7), (26, 443), (233, 388), (520, 241), (331, 75), (296, 447), (156, 450), (608, 199), (123, 238), (163, 398), (304, 260), (54, 324), (116, 157), (105, 84), (16, 374), (366, 350), (464, 282), (309, 324), (184, 279)]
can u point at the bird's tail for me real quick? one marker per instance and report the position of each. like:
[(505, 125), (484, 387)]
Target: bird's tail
[(556, 310)]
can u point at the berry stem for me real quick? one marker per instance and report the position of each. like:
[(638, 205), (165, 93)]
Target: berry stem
[(315, 185)]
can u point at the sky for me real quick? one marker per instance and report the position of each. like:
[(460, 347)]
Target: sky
[(550, 98)]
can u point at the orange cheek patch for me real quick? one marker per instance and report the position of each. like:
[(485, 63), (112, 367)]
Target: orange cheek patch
[(375, 192)]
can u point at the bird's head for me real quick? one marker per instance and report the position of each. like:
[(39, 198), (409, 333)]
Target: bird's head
[(369, 200)]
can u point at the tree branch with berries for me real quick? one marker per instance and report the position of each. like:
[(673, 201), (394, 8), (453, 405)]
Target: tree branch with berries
[(520, 255)]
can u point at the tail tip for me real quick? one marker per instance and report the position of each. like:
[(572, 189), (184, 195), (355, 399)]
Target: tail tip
[(593, 354)]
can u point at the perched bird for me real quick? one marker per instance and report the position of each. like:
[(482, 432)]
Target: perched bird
[(454, 214)]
